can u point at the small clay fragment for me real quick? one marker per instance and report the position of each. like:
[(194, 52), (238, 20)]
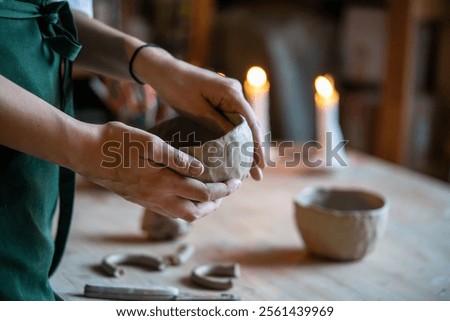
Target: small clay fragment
[(211, 275), (183, 254), (159, 227), (110, 264)]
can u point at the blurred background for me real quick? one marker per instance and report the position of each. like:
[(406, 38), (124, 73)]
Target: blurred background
[(390, 61)]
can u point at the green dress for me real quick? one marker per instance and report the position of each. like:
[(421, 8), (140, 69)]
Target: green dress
[(37, 45)]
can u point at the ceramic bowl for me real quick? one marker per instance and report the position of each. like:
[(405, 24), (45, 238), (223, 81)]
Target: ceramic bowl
[(224, 156), (340, 224)]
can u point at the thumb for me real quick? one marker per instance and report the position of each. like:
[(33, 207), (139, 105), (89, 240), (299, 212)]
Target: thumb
[(179, 161)]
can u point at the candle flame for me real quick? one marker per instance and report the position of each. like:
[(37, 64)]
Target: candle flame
[(256, 76), (326, 95), (324, 86)]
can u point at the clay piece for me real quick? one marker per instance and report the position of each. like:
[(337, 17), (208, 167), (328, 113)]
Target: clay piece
[(159, 227), (224, 157), (110, 264), (182, 255), (211, 276), (340, 224)]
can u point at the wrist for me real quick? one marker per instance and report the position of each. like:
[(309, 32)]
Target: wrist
[(101, 153), (134, 57), (147, 62), (83, 154)]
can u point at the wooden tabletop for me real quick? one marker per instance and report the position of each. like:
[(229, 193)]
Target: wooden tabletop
[(255, 227)]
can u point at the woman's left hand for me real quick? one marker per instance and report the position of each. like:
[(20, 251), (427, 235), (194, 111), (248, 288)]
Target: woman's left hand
[(199, 93), (192, 91)]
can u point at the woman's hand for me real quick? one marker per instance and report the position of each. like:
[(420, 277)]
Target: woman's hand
[(197, 93), (130, 162), (145, 170), (192, 91)]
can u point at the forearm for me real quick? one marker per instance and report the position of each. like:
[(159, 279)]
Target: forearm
[(192, 91), (108, 51), (30, 125)]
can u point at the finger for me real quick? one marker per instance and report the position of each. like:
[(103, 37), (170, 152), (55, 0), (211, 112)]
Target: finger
[(195, 190), (221, 190), (178, 207), (259, 157), (193, 211), (255, 127), (236, 102), (214, 120), (180, 162), (195, 199), (256, 173), (206, 208), (187, 210)]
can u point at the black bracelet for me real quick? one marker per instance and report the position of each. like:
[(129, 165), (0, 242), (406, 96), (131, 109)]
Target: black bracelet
[(133, 57)]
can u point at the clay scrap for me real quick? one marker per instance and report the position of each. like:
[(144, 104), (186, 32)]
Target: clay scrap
[(159, 227), (110, 264), (216, 276)]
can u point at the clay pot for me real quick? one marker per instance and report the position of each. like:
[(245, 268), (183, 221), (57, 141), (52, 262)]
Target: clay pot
[(224, 157), (340, 224)]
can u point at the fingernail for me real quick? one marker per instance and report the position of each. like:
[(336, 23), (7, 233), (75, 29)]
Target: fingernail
[(195, 168)]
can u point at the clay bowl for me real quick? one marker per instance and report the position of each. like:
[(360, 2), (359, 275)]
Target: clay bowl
[(224, 156), (340, 224)]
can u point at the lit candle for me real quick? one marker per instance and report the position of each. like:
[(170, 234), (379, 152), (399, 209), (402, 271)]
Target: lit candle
[(327, 122), (256, 89)]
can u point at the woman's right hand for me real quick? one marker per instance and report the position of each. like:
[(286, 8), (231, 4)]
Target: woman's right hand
[(137, 165), (145, 170)]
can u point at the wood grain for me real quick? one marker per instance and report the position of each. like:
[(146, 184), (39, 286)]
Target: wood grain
[(255, 227)]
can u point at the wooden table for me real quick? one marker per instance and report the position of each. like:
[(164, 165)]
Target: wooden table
[(255, 227)]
